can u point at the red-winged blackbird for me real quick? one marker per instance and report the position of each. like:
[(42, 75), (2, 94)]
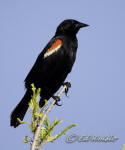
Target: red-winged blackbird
[(51, 67)]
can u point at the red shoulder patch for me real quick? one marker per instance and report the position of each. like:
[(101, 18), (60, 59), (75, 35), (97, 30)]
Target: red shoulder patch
[(55, 46)]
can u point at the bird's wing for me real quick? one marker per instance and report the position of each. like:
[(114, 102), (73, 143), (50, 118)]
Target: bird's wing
[(44, 62)]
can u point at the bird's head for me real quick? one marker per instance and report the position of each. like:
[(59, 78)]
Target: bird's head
[(70, 27)]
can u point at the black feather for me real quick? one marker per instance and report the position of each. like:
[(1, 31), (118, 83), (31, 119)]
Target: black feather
[(49, 73)]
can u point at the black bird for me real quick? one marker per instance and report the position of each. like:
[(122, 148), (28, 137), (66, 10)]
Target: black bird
[(51, 67)]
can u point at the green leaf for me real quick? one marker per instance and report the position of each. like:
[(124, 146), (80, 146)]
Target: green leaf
[(38, 115), (43, 133), (33, 87), (46, 123), (64, 131), (123, 147), (22, 122), (32, 126), (34, 105), (25, 140), (53, 124), (43, 108), (38, 91)]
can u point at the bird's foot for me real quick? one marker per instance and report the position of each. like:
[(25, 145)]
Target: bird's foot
[(57, 99), (68, 85)]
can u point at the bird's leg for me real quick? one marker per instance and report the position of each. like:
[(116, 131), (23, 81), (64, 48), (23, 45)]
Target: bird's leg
[(68, 85), (56, 98)]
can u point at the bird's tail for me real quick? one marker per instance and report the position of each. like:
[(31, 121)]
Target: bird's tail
[(21, 109)]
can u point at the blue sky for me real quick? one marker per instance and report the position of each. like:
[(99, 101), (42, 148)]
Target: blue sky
[(97, 97)]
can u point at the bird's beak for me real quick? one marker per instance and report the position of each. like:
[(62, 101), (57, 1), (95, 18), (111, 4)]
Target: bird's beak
[(81, 25)]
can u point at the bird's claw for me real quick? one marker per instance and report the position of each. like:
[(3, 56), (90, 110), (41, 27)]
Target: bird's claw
[(57, 99), (68, 85)]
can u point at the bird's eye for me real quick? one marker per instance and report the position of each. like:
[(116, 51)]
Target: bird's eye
[(76, 25)]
